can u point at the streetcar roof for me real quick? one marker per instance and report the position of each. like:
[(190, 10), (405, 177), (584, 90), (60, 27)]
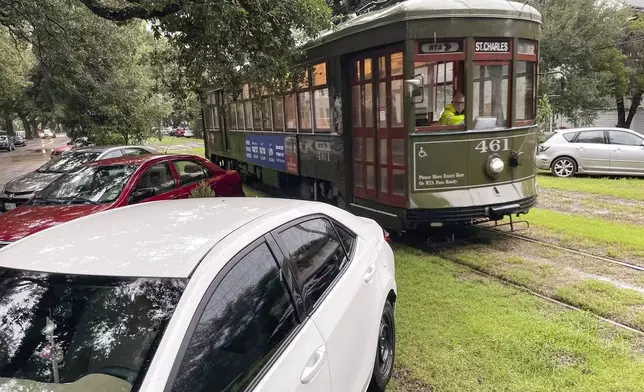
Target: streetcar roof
[(429, 9)]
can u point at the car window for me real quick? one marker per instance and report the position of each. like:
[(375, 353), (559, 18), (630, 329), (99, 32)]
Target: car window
[(135, 151), (596, 137), (316, 256), (112, 154), (158, 177), (570, 136), (190, 171), (624, 138), (246, 319), (346, 237)]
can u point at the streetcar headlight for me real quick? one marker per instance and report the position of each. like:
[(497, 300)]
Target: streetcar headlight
[(496, 165)]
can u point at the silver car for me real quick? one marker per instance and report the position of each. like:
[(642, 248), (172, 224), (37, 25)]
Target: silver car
[(6, 143), (615, 151), (19, 190)]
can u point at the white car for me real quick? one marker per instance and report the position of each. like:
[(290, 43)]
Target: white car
[(188, 133), (213, 294)]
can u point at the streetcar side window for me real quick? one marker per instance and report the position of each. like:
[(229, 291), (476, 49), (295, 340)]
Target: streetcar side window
[(440, 82)]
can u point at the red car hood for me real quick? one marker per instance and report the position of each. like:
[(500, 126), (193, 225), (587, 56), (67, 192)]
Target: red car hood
[(63, 148), (27, 219)]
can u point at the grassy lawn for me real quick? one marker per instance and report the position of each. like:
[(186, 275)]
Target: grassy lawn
[(607, 300), (626, 188), (178, 145), (557, 278), (459, 332), (171, 140), (579, 230)]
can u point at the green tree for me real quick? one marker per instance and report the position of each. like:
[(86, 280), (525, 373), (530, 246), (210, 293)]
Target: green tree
[(579, 40), (628, 81), (221, 42), (16, 62)]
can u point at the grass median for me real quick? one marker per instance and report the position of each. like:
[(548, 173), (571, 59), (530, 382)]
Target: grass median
[(458, 331), (625, 188), (582, 231)]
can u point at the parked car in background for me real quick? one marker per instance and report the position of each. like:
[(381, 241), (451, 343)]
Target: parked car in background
[(6, 143), (179, 132), (19, 190), (117, 182), (218, 294), (19, 141), (47, 134), (71, 145), (615, 151), (188, 133)]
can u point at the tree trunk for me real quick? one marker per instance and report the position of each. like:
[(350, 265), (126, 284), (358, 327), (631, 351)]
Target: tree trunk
[(621, 113), (635, 103), (27, 126), (34, 127), (9, 124)]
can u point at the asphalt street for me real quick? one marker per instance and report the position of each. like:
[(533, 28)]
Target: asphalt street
[(26, 159)]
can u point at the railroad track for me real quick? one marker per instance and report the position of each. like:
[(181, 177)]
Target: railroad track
[(563, 248), (429, 247)]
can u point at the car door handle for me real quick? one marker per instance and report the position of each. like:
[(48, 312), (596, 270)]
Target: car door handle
[(371, 273), (314, 365)]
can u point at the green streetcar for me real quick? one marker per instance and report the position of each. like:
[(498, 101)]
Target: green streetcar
[(419, 114)]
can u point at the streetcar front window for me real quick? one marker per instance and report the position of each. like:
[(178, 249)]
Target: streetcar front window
[(441, 81), (491, 91)]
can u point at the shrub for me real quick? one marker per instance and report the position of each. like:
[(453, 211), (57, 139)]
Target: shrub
[(203, 190)]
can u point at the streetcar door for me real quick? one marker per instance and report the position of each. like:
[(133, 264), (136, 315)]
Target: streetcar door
[(390, 129), (378, 128), (363, 128)]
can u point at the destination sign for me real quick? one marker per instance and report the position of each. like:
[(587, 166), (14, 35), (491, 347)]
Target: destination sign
[(527, 47), (492, 47), (440, 47)]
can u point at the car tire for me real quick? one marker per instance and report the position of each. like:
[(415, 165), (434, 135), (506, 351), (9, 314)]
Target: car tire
[(383, 366), (563, 167)]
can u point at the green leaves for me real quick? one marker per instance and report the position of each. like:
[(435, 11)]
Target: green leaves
[(581, 38)]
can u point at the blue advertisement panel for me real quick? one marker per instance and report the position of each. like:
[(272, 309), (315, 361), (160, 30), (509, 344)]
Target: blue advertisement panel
[(266, 151)]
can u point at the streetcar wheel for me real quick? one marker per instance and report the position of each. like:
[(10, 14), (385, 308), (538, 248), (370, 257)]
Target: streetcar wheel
[(340, 202), (564, 167), (305, 192)]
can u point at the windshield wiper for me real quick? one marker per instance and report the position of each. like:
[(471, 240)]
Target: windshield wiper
[(76, 199), (42, 200)]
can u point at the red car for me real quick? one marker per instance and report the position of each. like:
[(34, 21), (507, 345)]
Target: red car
[(113, 183), (179, 132)]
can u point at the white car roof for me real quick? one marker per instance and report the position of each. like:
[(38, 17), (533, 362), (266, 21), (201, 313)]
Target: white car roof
[(156, 239)]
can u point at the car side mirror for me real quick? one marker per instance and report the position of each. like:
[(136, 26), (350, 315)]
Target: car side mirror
[(141, 194)]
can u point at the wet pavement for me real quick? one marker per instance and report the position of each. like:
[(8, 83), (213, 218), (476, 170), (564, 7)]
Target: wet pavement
[(26, 159)]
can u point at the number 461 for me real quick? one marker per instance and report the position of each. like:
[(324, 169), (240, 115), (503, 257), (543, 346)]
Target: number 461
[(495, 145)]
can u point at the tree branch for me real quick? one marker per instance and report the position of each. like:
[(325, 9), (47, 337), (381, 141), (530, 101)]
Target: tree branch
[(131, 12)]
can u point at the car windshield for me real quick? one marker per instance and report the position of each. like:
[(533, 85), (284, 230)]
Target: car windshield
[(93, 332), (68, 162), (90, 185)]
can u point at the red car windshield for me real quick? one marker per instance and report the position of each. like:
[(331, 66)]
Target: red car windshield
[(97, 333), (90, 185), (68, 163)]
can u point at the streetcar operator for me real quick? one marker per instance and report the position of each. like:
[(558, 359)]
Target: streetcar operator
[(454, 113)]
